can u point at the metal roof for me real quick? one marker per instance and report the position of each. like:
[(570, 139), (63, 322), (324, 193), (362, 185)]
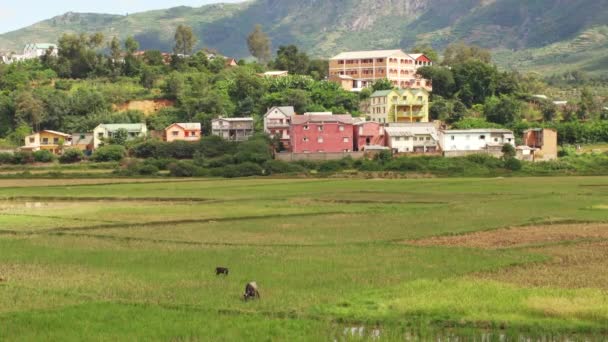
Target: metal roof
[(192, 126), (136, 127), (302, 119), (370, 54)]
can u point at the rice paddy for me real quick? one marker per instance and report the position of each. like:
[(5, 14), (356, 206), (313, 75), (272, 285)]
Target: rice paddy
[(335, 258)]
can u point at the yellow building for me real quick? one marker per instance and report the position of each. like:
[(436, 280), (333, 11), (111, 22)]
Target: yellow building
[(47, 140), (400, 105)]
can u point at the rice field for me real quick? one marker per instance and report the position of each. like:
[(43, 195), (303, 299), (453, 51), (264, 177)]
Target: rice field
[(335, 259)]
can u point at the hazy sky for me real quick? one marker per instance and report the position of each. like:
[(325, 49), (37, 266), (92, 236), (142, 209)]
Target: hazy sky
[(15, 14)]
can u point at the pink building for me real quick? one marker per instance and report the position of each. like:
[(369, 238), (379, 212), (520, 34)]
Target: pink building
[(321, 133), (184, 132), (368, 133)]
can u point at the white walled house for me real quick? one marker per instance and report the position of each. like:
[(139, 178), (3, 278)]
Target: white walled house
[(470, 141), (277, 123), (32, 51), (412, 138), (104, 132)]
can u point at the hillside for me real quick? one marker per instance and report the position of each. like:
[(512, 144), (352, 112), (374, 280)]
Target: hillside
[(551, 35)]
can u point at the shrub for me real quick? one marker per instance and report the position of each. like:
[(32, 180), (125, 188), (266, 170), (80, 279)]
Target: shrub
[(220, 161), (255, 150), (330, 166), (508, 151), (43, 156), (383, 157), (6, 158), (133, 167), (23, 158), (278, 167), (71, 156), (513, 164), (214, 146), (239, 170), (109, 153), (183, 169), (161, 164)]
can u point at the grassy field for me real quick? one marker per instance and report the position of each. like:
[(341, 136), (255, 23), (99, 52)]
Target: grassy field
[(335, 258)]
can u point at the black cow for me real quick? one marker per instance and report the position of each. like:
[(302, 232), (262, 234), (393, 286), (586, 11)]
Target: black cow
[(251, 291), (221, 270)]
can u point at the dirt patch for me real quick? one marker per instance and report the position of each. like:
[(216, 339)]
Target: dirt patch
[(519, 236), (148, 107)]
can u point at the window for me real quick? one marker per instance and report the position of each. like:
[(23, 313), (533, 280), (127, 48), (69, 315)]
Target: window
[(305, 139), (55, 140), (428, 138), (175, 133), (306, 128), (495, 139), (100, 135), (32, 140), (419, 97), (82, 137), (320, 128), (482, 137), (341, 128), (346, 139), (453, 137), (320, 140), (45, 141)]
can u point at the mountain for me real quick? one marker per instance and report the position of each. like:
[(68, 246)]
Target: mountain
[(544, 35)]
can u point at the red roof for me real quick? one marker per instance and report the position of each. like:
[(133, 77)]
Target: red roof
[(303, 119)]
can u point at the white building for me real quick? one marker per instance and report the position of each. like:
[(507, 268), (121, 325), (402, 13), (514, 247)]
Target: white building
[(233, 129), (412, 137), (470, 141), (32, 51), (105, 132), (277, 123)]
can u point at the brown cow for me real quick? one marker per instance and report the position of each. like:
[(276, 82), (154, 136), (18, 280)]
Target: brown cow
[(251, 291)]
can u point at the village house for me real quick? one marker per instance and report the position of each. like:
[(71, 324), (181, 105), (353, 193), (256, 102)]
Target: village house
[(412, 138), (455, 143), (398, 105), (542, 142), (368, 135), (277, 123), (357, 70), (48, 140), (233, 129), (275, 74), (321, 133), (83, 142), (183, 132), (105, 132)]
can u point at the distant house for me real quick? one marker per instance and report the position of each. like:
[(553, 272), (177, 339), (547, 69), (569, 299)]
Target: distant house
[(183, 132), (366, 134), (83, 142), (398, 105), (413, 138), (543, 143), (275, 74), (277, 123), (231, 62), (37, 50), (105, 132), (233, 129), (47, 140), (470, 141), (321, 133)]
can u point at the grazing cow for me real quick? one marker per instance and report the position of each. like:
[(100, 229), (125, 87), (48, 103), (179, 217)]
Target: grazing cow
[(251, 291), (221, 270)]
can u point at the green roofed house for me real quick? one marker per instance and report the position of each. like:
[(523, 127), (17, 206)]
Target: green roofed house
[(398, 106), (107, 131)]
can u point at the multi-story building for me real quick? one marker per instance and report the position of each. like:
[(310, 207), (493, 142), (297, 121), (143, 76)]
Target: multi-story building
[(321, 133), (105, 132), (187, 131), (400, 105), (412, 138), (47, 140), (233, 129), (359, 69), (470, 141), (277, 123), (368, 134)]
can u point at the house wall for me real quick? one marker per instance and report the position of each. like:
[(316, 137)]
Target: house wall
[(192, 135), (371, 132), (416, 144), (545, 141), (407, 105), (470, 141), (333, 139), (290, 157)]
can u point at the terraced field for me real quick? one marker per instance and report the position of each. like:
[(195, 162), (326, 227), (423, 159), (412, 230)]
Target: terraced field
[(335, 258)]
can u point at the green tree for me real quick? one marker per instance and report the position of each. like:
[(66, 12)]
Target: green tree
[(382, 84), (131, 45), (508, 151), (185, 40), (291, 59), (259, 44), (443, 80), (586, 105), (120, 137), (502, 110), (29, 109), (475, 81), (427, 50)]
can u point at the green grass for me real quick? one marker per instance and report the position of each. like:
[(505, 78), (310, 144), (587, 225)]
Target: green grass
[(328, 255)]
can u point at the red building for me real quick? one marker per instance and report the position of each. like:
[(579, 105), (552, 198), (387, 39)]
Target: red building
[(368, 133), (316, 133)]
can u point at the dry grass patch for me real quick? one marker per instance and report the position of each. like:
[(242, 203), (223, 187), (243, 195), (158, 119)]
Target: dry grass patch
[(519, 236), (25, 183), (572, 266)]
